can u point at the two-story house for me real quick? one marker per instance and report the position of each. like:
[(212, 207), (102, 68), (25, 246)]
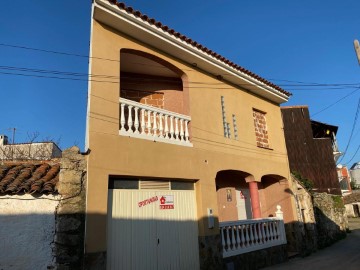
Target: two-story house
[(188, 161)]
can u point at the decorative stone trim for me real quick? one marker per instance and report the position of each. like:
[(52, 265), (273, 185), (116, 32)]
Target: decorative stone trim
[(261, 133)]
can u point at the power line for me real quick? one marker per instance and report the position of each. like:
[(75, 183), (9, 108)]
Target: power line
[(116, 60), (353, 155), (336, 102), (117, 78), (352, 130)]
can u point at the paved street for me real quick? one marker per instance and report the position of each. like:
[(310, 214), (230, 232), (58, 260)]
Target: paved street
[(344, 255)]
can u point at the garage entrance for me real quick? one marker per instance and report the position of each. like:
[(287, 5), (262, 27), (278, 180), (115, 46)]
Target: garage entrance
[(152, 225)]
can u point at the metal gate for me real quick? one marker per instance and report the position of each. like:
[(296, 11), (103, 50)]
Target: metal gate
[(152, 225)]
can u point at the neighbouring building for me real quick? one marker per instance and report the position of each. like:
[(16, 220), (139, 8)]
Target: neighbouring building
[(355, 174), (312, 149), (42, 205), (28, 151), (188, 165), (344, 179)]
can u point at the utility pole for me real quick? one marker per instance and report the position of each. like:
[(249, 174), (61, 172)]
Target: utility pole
[(13, 134), (357, 49)]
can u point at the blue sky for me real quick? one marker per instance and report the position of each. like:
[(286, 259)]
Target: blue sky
[(303, 41)]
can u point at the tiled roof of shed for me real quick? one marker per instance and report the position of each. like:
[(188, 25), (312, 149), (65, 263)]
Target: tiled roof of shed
[(204, 49), (29, 177)]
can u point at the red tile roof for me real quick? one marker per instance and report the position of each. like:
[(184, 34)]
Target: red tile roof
[(172, 32), (29, 177)]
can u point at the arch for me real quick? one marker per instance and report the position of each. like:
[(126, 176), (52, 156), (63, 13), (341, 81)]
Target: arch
[(233, 195), (153, 58), (151, 80), (275, 190)]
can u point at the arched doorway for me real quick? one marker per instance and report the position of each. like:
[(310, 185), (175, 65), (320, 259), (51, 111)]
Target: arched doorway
[(233, 195), (274, 190)]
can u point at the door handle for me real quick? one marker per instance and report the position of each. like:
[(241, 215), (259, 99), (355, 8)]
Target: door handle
[(158, 241)]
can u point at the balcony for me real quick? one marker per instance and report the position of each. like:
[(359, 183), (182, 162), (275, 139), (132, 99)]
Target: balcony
[(238, 237), (150, 123)]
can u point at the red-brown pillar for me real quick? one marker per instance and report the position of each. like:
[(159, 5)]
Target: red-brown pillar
[(255, 202)]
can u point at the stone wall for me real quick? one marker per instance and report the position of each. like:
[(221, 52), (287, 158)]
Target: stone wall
[(70, 213), (301, 235), (211, 256), (331, 219)]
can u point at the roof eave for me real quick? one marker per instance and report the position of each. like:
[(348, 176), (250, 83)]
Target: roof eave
[(129, 24)]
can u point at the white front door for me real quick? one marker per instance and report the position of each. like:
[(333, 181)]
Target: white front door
[(152, 229)]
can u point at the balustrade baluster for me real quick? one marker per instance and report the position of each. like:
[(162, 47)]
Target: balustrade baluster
[(263, 228), (223, 239), (171, 127), (237, 237), (149, 123), (122, 117), (267, 232), (186, 131), (232, 237), (276, 231), (260, 234), (136, 124), (243, 240), (228, 237), (247, 235), (160, 125), (176, 129), (166, 133), (155, 125), (143, 121), (271, 231), (181, 130), (251, 234), (130, 121), (256, 238)]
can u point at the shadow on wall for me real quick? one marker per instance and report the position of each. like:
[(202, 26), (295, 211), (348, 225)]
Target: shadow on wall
[(328, 232), (36, 241), (41, 241)]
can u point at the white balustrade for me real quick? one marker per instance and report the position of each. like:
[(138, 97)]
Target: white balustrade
[(151, 123), (238, 237)]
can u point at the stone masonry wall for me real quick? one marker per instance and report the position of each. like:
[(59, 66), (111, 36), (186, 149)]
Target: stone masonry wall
[(261, 133), (70, 213), (211, 256), (301, 235), (331, 219)]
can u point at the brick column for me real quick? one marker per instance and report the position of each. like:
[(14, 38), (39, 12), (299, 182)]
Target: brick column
[(255, 202)]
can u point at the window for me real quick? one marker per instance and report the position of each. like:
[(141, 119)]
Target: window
[(261, 132)]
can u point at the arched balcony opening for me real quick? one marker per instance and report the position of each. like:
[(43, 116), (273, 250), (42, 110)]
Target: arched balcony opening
[(153, 99)]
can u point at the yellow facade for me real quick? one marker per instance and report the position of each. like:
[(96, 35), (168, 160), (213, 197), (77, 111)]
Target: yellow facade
[(113, 154)]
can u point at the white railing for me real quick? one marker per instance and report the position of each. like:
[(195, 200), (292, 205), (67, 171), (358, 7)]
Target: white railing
[(238, 237), (151, 123)]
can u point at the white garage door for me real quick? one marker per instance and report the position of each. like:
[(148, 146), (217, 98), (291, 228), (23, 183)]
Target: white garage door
[(152, 225)]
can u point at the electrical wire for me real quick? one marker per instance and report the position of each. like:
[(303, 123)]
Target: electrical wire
[(352, 131), (116, 60), (336, 102)]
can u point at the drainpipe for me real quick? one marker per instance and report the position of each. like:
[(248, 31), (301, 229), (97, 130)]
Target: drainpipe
[(255, 202)]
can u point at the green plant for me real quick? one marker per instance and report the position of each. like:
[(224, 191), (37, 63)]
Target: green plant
[(353, 185), (338, 201), (307, 183)]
